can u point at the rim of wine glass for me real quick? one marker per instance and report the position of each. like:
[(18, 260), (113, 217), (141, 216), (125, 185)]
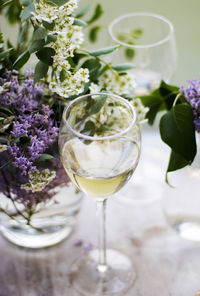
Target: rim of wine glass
[(160, 17), (96, 138)]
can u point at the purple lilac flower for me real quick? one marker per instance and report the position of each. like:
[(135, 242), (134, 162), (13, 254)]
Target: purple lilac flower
[(192, 95), (32, 120)]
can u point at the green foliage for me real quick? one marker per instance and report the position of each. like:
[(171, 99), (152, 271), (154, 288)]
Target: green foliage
[(177, 128), (93, 33), (46, 55), (98, 105), (36, 45), (104, 51), (159, 99), (178, 131), (57, 2), (44, 157), (23, 35), (123, 67), (41, 70), (78, 22), (82, 12), (13, 12), (27, 11), (130, 53), (21, 60), (5, 53), (39, 33), (5, 4), (97, 14), (129, 38), (48, 26), (93, 65)]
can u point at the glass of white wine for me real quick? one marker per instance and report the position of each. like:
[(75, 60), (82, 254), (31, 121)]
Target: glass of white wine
[(147, 41), (100, 147)]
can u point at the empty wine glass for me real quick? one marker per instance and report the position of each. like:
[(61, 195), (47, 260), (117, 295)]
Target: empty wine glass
[(99, 147), (147, 41)]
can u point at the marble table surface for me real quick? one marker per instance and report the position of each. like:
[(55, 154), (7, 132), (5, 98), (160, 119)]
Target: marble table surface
[(166, 265)]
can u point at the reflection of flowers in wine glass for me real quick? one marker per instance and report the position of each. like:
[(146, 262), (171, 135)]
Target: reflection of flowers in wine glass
[(100, 146), (147, 41)]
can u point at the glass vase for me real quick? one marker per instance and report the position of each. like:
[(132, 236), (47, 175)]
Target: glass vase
[(52, 221)]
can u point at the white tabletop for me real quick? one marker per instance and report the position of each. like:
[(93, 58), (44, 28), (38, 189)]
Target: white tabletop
[(166, 265)]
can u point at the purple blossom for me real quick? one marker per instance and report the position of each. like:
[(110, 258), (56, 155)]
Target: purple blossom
[(33, 120), (33, 132), (192, 95)]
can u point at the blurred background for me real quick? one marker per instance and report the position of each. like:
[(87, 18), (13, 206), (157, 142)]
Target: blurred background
[(183, 14)]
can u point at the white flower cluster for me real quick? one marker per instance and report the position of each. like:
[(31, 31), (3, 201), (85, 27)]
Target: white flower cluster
[(69, 38), (46, 12), (3, 147), (73, 84), (38, 180), (114, 83), (4, 87)]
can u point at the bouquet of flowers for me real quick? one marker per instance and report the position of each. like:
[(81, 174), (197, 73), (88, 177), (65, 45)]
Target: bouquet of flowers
[(31, 102)]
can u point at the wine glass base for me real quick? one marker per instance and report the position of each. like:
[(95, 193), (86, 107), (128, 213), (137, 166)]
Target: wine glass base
[(118, 278)]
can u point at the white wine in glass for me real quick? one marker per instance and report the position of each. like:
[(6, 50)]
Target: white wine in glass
[(100, 147)]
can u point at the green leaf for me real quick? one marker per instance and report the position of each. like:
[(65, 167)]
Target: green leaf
[(63, 75), (93, 33), (123, 67), (78, 56), (45, 55), (48, 26), (6, 3), (36, 45), (41, 70), (89, 128), (21, 60), (13, 12), (93, 65), (98, 105), (24, 139), (26, 2), (97, 14), (39, 33), (130, 53), (5, 110), (27, 12), (78, 22), (103, 69), (137, 33), (83, 11), (5, 53), (176, 162), (169, 93), (24, 33), (1, 38), (44, 157), (104, 51), (178, 131), (51, 38), (154, 102), (57, 2)]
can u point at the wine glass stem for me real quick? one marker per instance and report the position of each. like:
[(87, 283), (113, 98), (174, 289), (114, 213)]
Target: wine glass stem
[(101, 215)]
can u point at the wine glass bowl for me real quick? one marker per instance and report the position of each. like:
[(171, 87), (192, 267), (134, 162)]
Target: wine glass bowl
[(99, 145), (147, 41)]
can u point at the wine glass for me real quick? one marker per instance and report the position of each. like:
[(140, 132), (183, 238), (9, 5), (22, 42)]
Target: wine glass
[(99, 145), (147, 41)]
